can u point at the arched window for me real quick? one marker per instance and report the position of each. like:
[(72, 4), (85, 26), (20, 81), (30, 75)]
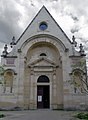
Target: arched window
[(8, 81), (43, 79), (77, 81), (42, 54)]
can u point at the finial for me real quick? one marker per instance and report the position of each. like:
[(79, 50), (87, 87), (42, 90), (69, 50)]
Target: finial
[(74, 42), (4, 53), (73, 38), (13, 42), (81, 49)]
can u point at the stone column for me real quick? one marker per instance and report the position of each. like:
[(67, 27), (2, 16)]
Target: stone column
[(20, 80), (32, 89), (35, 95), (54, 91), (14, 86), (26, 87)]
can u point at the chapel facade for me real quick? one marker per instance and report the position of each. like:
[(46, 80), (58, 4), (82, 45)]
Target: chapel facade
[(43, 70)]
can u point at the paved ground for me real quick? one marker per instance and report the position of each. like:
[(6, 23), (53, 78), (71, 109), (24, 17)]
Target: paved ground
[(38, 115)]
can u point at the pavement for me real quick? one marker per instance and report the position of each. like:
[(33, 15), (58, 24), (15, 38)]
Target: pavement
[(38, 115)]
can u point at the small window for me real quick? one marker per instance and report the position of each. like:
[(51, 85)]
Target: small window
[(43, 79), (43, 26), (42, 54)]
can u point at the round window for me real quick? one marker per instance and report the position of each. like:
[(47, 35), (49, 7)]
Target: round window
[(43, 26)]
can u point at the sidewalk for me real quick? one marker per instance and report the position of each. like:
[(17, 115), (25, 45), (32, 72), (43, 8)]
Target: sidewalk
[(38, 115)]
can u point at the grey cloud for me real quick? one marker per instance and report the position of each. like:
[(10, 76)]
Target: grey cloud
[(9, 17), (75, 29), (86, 48), (74, 17), (80, 7), (83, 40)]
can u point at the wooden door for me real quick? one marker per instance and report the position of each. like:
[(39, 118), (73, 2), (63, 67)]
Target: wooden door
[(43, 97)]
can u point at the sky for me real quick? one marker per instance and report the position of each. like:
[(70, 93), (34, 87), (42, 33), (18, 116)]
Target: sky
[(71, 15)]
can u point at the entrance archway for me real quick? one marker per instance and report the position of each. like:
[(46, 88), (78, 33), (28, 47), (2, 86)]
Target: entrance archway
[(43, 92), (43, 79)]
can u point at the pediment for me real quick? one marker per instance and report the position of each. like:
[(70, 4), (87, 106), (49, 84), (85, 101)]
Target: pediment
[(54, 29), (42, 62)]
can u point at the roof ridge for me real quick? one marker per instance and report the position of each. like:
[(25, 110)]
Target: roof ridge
[(30, 24), (35, 18)]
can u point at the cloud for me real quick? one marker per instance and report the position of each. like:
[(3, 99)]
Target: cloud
[(75, 29), (15, 15), (9, 17)]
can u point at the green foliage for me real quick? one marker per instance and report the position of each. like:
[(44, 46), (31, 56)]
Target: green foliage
[(1, 70), (79, 64), (83, 116), (2, 115), (0, 82)]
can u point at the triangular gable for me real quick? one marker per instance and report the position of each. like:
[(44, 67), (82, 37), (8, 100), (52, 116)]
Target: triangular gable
[(42, 62), (53, 28)]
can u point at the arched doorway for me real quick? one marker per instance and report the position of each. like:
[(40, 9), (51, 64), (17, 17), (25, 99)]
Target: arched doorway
[(43, 92), (44, 73)]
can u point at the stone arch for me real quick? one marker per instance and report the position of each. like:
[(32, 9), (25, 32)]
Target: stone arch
[(49, 64), (43, 90), (11, 70), (8, 80), (35, 51), (49, 39), (43, 54), (43, 79), (77, 80)]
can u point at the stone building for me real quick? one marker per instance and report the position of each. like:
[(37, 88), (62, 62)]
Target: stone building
[(43, 70)]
